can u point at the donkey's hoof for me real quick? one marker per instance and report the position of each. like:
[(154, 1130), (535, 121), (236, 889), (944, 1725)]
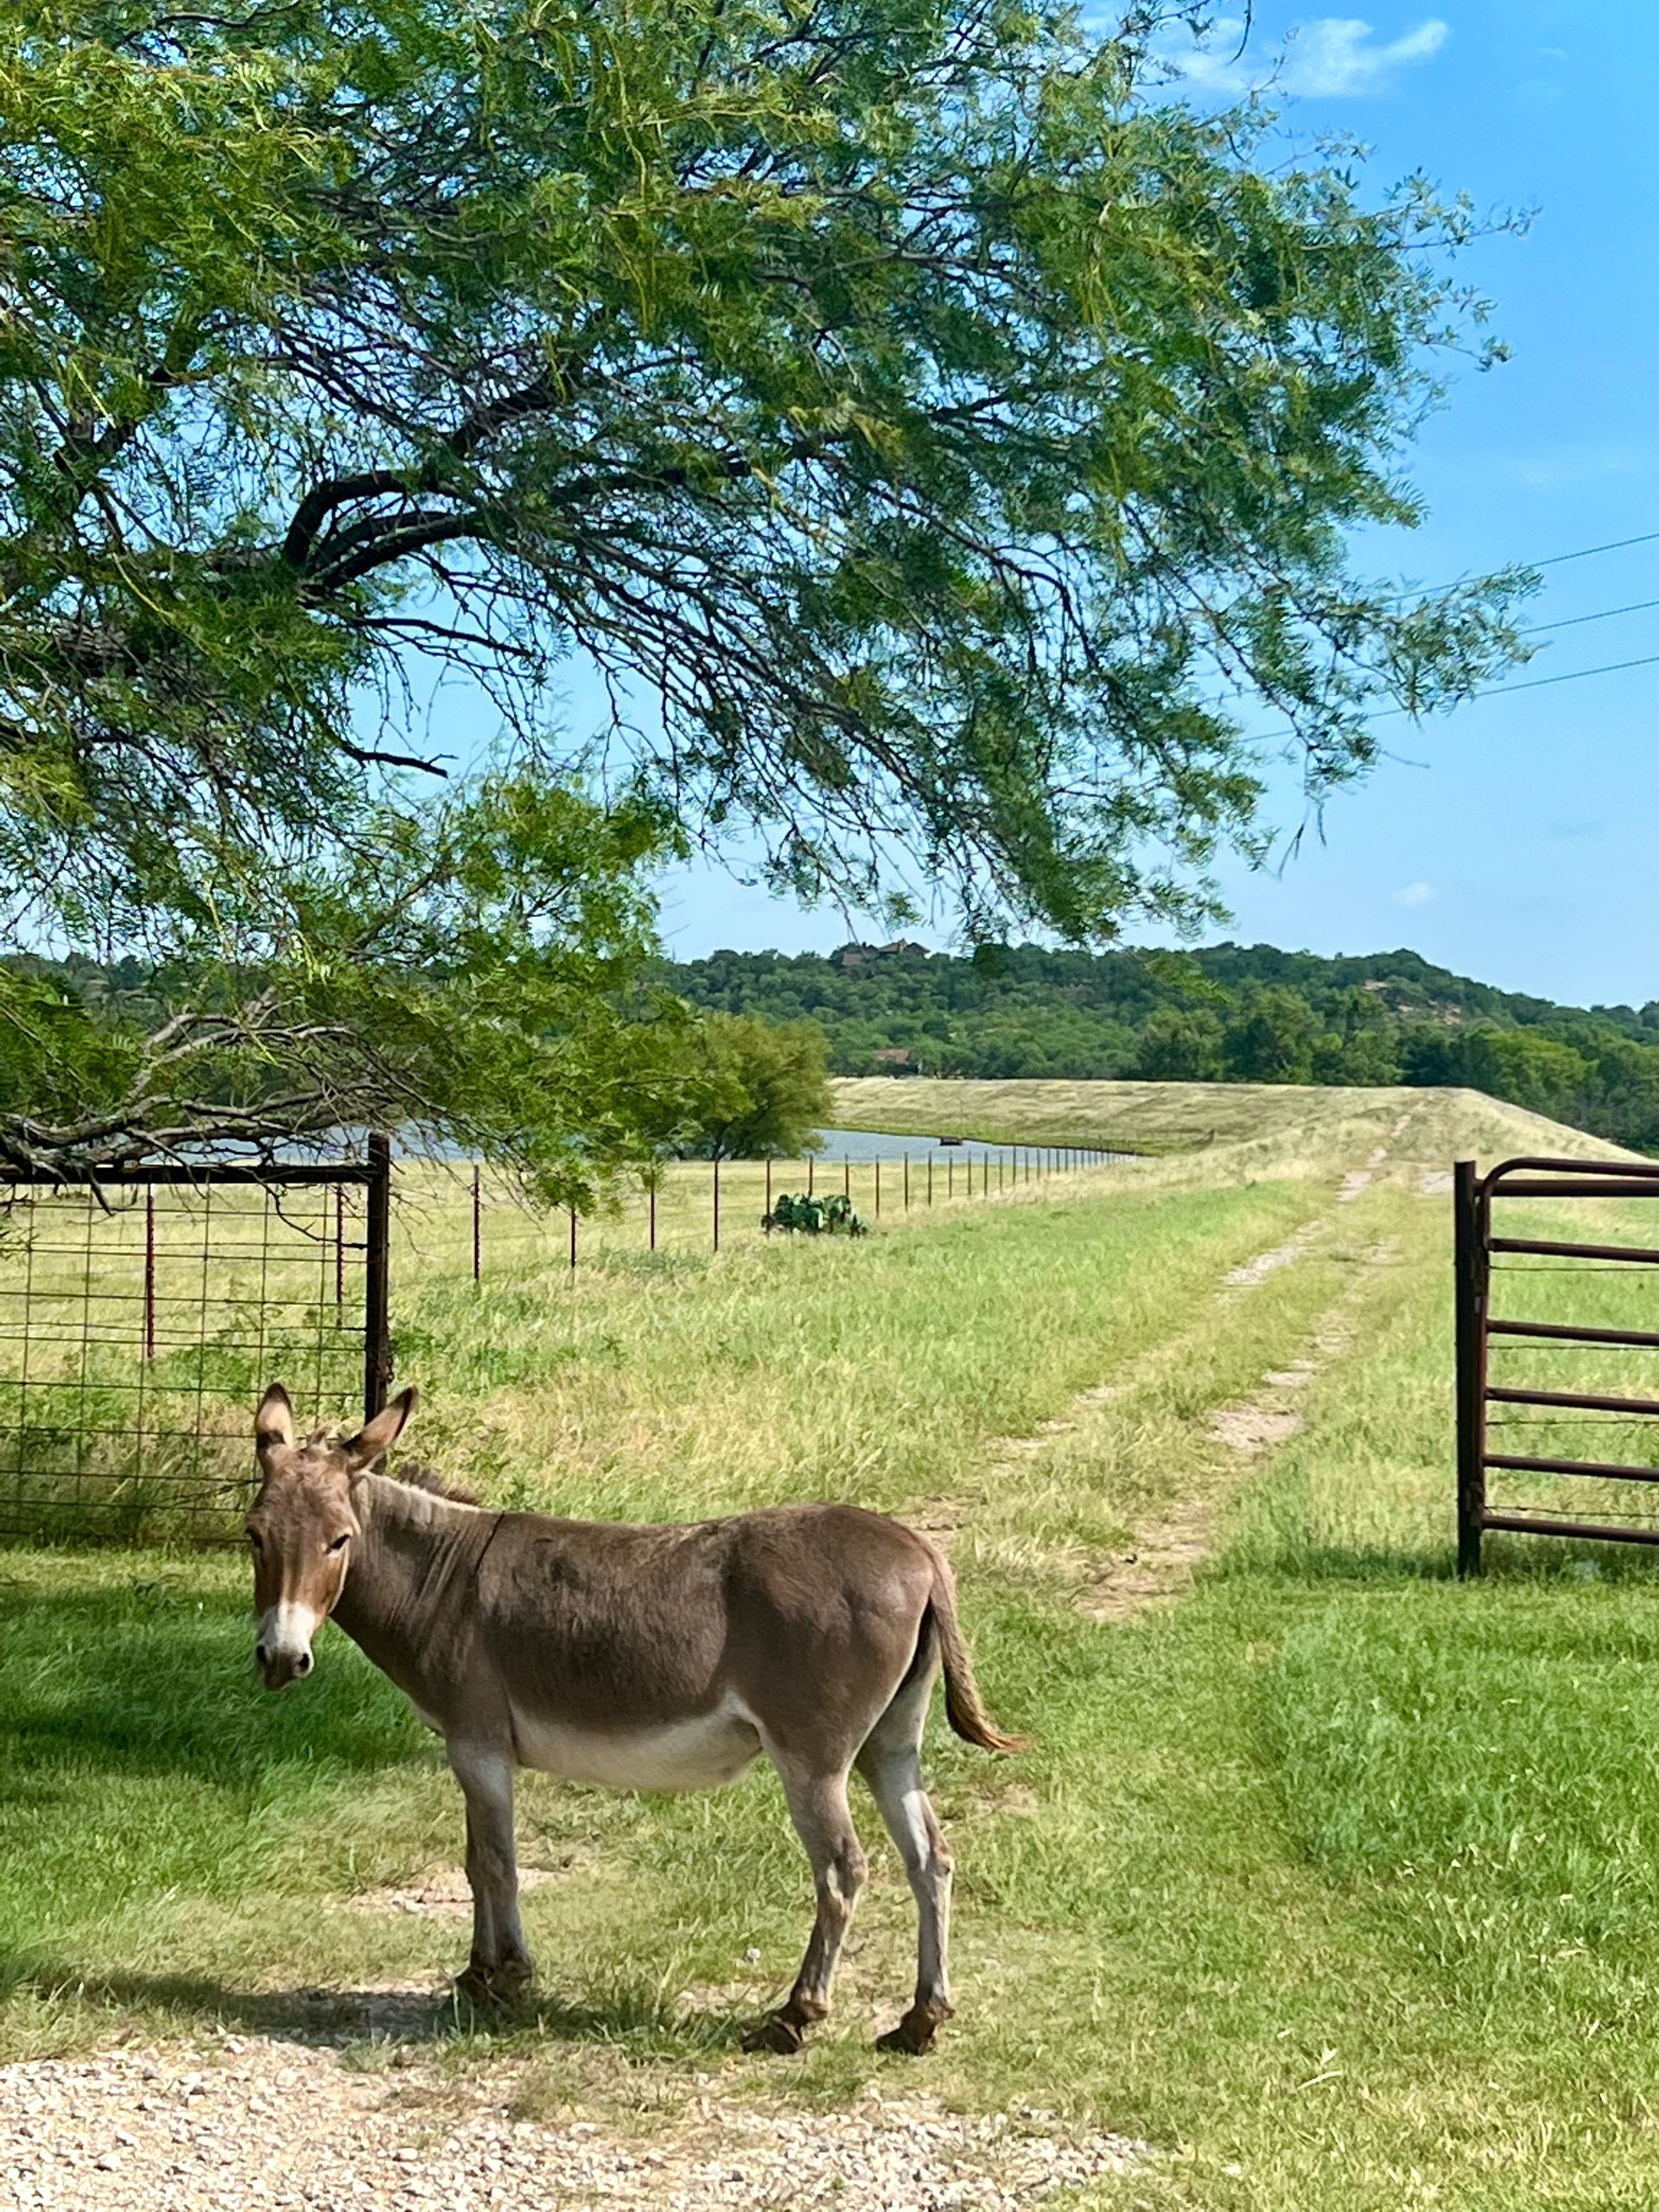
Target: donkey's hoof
[(916, 2034), (490, 1989), (777, 2032)]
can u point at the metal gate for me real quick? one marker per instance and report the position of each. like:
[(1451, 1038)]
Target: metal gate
[(1481, 1335), (143, 1312)]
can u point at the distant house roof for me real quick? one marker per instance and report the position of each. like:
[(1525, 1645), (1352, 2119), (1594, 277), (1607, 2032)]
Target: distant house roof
[(898, 1056)]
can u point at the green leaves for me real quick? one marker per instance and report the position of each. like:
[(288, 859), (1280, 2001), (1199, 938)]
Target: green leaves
[(752, 1089), (468, 972)]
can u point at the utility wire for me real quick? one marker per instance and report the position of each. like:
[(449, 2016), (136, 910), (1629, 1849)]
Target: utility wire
[(1531, 683), (1538, 629), (1554, 561), (1601, 614)]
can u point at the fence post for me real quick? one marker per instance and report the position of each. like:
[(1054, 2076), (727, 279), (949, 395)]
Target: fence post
[(846, 1177), (1473, 1263), (653, 1215), (930, 1179), (573, 1240), (376, 1275), (478, 1228), (809, 1174), (149, 1277), (877, 1190), (906, 1182), (340, 1256), (951, 1176), (716, 1204), (768, 1186)]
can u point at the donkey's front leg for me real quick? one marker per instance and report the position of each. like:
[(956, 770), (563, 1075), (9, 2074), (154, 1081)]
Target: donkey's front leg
[(500, 1969)]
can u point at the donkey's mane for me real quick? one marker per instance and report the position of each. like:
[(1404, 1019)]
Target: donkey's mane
[(415, 1475)]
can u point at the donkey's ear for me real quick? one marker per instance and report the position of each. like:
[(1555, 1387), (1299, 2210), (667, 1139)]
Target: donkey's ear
[(274, 1422), (377, 1436)]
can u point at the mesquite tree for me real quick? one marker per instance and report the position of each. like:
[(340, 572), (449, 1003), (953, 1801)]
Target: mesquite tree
[(941, 437)]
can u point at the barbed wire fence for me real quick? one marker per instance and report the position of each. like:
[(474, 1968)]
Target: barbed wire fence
[(708, 1205)]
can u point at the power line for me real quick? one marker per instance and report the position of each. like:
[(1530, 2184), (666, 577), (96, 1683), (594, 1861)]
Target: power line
[(1554, 561), (1531, 683), (1492, 691), (1613, 545), (1602, 614)]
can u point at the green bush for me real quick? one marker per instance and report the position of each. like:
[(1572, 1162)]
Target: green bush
[(833, 1216)]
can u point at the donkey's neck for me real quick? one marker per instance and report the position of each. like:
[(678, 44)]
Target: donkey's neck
[(415, 1555)]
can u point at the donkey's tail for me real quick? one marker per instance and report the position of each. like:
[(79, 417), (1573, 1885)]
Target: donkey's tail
[(964, 1706)]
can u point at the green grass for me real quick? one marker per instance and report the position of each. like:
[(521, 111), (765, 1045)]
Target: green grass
[(1336, 1880)]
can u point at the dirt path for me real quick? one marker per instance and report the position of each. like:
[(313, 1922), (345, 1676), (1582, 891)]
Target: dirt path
[(1169, 1551)]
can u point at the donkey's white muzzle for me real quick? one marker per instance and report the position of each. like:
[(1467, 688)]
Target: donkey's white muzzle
[(282, 1644)]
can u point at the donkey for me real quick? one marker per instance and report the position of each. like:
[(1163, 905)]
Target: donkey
[(643, 1658)]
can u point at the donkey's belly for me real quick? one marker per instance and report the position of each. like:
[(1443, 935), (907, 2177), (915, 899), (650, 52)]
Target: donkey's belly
[(700, 1753)]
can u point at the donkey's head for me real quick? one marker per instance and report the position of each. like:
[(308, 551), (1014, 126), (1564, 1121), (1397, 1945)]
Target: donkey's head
[(302, 1523)]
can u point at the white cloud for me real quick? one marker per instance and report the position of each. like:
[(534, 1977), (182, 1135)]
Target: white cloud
[(1413, 894), (1328, 57)]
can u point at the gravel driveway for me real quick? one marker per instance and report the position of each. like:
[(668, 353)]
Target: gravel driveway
[(233, 2122)]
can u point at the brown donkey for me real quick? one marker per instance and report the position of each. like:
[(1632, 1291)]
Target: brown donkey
[(647, 1658)]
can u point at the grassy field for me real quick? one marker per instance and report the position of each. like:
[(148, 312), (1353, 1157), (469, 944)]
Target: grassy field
[(1336, 1881)]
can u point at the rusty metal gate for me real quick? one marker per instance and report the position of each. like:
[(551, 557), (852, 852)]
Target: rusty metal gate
[(141, 1315), (1482, 1335)]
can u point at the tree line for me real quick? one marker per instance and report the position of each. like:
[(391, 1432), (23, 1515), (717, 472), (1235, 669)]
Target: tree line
[(1229, 1012)]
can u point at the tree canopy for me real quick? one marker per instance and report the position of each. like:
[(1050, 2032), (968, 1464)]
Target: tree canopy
[(753, 1090), (942, 439)]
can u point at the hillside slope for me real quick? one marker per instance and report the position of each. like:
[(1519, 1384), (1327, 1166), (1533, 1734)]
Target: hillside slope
[(1211, 1131)]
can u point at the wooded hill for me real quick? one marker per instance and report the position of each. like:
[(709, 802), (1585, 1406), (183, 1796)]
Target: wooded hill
[(1229, 1013)]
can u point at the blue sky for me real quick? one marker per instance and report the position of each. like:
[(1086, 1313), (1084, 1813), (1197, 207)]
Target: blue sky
[(1517, 840)]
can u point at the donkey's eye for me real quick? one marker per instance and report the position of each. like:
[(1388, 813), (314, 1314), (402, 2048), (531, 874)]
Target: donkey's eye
[(255, 1540), (340, 1542)]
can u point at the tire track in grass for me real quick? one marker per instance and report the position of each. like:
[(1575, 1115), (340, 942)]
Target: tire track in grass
[(1169, 1551), (1226, 1438)]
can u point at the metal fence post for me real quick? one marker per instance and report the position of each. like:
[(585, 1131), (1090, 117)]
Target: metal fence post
[(376, 1276), (906, 1182), (716, 1203), (478, 1228), (653, 1215), (930, 1179), (149, 1276), (340, 1256), (1473, 1264), (877, 1190), (573, 1240)]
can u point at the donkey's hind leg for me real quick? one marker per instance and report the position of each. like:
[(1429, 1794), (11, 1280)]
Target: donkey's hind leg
[(890, 1762), (500, 1969), (824, 1821)]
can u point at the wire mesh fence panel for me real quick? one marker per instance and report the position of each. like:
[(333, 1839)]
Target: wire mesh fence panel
[(141, 1319)]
